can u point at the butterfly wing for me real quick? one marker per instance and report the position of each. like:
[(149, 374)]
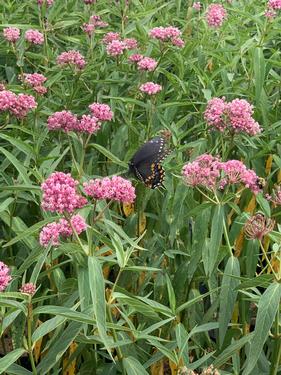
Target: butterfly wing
[(145, 164)]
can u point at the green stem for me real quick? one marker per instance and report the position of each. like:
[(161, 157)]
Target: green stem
[(114, 285), (115, 338), (205, 195), (29, 335), (74, 232), (276, 356), (101, 212), (72, 155), (227, 238), (268, 261)]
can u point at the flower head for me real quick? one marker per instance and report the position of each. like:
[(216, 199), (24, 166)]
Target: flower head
[(71, 58), (150, 88), (258, 226), (196, 5), (101, 111), (130, 43), (11, 34), (64, 120), (60, 193), (274, 4), (115, 48), (47, 2), (50, 235), (136, 57), (5, 278), (88, 124), (34, 36), (215, 15), (275, 196), (7, 100), (77, 223), (215, 113), (28, 288), (109, 37), (115, 188), (24, 103), (178, 42), (165, 34), (147, 63)]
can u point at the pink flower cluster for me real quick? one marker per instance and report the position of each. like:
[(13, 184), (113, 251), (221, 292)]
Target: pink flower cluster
[(95, 21), (101, 111), (196, 5), (67, 121), (71, 58), (115, 46), (11, 34), (35, 81), (5, 278), (47, 2), (60, 194), (209, 172), (28, 288), (147, 63), (215, 15), (150, 88), (17, 105), (275, 196), (136, 57), (167, 34), (235, 115), (272, 7), (34, 36), (89, 1), (115, 188), (51, 232)]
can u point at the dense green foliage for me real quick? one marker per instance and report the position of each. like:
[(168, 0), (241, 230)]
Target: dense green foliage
[(172, 283)]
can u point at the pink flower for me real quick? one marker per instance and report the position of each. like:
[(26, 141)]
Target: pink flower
[(88, 28), (11, 34), (89, 1), (73, 58), (88, 124), (50, 235), (178, 42), (28, 288), (5, 278), (41, 90), (97, 22), (47, 2), (34, 79), (275, 197), (240, 116), (131, 43), (34, 36), (274, 4), (101, 111), (24, 103), (64, 120), (147, 63), (77, 222), (60, 194), (115, 48), (236, 116), (203, 171), (115, 188), (7, 100), (215, 113), (109, 37), (165, 34), (150, 88), (136, 57), (196, 6), (270, 14), (215, 15)]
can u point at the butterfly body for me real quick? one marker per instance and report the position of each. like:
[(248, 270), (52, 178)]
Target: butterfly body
[(146, 163)]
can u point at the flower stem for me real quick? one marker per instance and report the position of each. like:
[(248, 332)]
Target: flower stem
[(268, 261), (276, 356), (227, 238), (29, 335)]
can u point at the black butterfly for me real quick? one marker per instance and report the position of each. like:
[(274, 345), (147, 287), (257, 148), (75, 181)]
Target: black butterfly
[(146, 163)]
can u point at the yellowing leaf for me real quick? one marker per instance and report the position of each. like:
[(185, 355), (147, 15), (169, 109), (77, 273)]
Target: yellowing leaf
[(128, 209)]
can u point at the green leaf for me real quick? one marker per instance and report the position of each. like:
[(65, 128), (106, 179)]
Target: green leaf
[(187, 304), (97, 289), (15, 369), (228, 295), (109, 155), (259, 71), (10, 358), (133, 366), (17, 164), (267, 309)]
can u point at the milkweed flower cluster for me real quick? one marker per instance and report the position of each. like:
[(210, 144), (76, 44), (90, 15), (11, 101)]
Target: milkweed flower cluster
[(147, 63), (28, 288), (115, 188), (115, 46), (215, 15), (50, 233), (71, 57), (47, 2), (235, 115), (167, 34), (11, 34), (17, 105), (136, 57), (5, 277), (35, 81), (272, 7), (209, 172), (60, 194), (101, 111), (196, 6), (89, 1), (275, 196), (34, 36), (94, 22), (258, 226), (150, 88)]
